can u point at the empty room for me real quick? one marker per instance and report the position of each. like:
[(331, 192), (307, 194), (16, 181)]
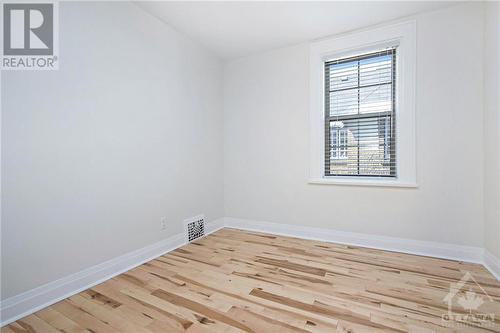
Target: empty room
[(250, 166)]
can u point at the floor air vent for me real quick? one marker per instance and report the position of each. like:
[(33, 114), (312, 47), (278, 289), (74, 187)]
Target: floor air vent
[(194, 228)]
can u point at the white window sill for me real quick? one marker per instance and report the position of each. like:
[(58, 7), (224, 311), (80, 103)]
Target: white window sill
[(354, 181)]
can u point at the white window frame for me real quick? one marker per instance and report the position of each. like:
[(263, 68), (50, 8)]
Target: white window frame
[(340, 153), (402, 35)]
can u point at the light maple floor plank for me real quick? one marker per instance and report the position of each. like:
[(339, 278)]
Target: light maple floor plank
[(239, 281)]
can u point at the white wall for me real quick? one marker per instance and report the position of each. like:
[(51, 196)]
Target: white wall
[(492, 127), (128, 130), (266, 106)]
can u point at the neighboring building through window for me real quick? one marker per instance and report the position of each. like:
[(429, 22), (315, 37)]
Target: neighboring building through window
[(338, 148), (360, 116)]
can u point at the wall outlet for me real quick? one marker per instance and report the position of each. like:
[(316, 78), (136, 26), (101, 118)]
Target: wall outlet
[(163, 223)]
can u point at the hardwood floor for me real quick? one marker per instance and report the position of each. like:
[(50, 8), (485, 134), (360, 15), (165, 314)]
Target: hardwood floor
[(238, 281)]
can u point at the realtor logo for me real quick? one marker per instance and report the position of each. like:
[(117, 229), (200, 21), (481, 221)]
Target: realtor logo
[(29, 36), (468, 304)]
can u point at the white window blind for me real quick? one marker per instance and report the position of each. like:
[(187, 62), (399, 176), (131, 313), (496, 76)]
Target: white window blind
[(359, 115)]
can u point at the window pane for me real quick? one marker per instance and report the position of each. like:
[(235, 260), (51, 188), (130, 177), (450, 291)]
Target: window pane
[(361, 147), (360, 139), (344, 75), (344, 102), (377, 70), (375, 99)]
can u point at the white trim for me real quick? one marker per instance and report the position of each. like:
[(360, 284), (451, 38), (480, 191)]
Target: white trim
[(38, 298), (404, 36), (492, 263), (361, 182), (410, 246)]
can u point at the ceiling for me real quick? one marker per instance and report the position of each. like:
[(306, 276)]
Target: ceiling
[(236, 29)]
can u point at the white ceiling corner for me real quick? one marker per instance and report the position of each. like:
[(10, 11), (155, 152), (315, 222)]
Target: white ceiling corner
[(236, 29)]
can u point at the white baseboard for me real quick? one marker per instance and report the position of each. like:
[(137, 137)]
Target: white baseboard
[(411, 246), (492, 263), (33, 300), (472, 254), (38, 298)]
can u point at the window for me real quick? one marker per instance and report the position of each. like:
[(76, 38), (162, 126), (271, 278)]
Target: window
[(362, 111), (338, 147), (359, 117)]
